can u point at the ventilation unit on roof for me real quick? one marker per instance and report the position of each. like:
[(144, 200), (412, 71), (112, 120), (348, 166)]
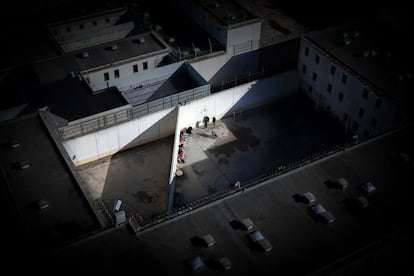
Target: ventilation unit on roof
[(114, 47), (24, 164), (85, 54), (14, 144), (171, 40), (141, 39)]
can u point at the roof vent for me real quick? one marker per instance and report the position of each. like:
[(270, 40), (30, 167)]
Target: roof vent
[(85, 54), (43, 204), (171, 40), (114, 47), (347, 42), (141, 39), (24, 164), (14, 144)]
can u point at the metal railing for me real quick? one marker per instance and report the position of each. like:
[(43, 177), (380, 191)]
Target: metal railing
[(105, 121), (238, 80), (116, 118)]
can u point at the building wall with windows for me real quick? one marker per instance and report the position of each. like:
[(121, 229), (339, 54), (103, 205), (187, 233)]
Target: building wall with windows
[(112, 74), (331, 85)]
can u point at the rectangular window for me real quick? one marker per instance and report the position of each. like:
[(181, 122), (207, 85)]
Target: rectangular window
[(329, 88), (365, 94), (306, 51), (145, 65), (116, 73), (304, 68), (314, 76), (333, 70), (378, 103), (344, 78), (106, 76), (341, 97), (361, 113), (317, 59), (374, 122), (135, 68)]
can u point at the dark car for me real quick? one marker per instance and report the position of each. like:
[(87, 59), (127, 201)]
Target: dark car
[(323, 214), (368, 188)]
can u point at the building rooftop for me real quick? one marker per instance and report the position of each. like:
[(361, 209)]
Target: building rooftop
[(179, 32), (301, 243), (376, 51), (63, 96), (77, 10), (70, 99), (228, 12), (277, 25), (129, 48), (50, 208)]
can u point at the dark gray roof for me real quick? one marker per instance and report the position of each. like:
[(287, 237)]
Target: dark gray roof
[(301, 244), (228, 12), (126, 49), (72, 99), (46, 178)]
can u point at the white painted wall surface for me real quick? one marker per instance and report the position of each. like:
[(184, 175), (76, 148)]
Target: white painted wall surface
[(108, 141), (242, 97), (208, 67), (163, 123), (97, 81), (243, 34)]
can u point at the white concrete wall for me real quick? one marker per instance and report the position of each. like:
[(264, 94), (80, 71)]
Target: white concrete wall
[(208, 67), (240, 98), (247, 36), (163, 123), (96, 78), (353, 91), (108, 141)]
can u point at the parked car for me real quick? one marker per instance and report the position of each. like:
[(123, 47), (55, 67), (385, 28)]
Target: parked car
[(257, 238), (356, 205), (308, 197), (323, 214), (368, 188), (342, 183)]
